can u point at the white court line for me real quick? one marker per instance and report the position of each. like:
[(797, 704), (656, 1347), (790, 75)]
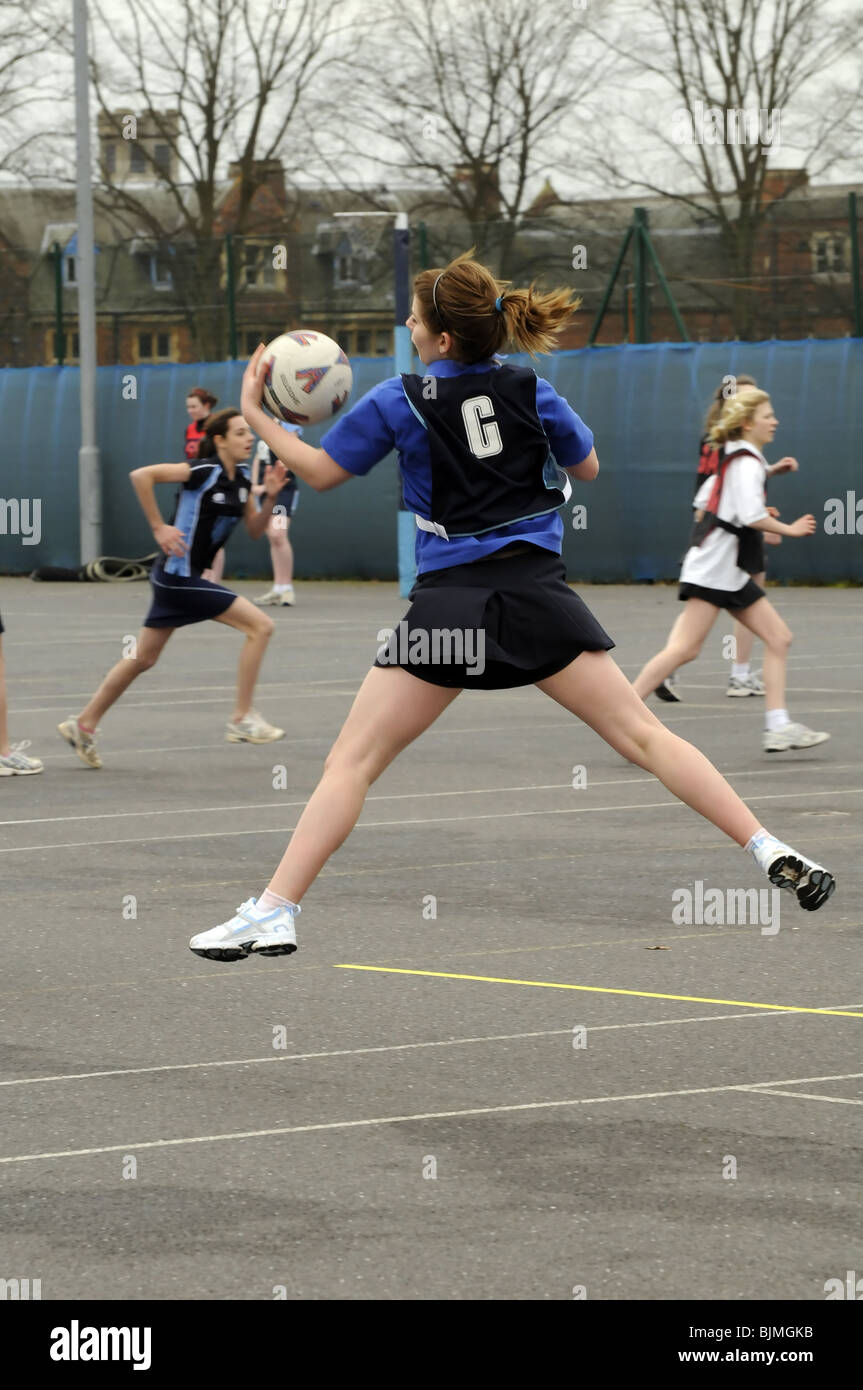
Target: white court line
[(395, 796), (395, 1047), (805, 1095), (134, 1146), (418, 820)]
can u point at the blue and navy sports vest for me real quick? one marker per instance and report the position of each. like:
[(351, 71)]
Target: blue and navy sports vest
[(209, 506), (491, 463)]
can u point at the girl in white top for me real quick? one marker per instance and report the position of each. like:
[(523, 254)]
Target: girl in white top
[(726, 551)]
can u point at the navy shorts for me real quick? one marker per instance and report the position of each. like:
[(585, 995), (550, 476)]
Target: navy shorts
[(721, 598), (287, 501), (2, 628), (179, 600)]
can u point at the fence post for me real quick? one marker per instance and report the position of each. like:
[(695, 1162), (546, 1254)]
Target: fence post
[(855, 264), (639, 258), (231, 288), (59, 338)]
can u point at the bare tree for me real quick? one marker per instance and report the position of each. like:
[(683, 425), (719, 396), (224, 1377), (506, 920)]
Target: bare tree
[(25, 38), (225, 80), (711, 84), (472, 101)]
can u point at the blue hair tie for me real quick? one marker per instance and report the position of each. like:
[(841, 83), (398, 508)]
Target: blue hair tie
[(497, 303)]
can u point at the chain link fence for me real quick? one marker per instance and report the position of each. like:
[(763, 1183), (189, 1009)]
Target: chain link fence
[(161, 299)]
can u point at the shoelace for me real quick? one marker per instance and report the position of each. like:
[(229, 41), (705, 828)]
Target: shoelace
[(19, 747)]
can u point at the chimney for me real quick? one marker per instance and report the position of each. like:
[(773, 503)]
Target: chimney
[(138, 149), (778, 182)]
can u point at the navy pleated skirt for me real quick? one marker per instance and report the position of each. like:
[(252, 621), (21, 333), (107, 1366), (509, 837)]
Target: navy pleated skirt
[(494, 624)]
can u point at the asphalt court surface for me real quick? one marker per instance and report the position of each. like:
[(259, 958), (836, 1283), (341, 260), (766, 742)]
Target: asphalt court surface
[(524, 1094)]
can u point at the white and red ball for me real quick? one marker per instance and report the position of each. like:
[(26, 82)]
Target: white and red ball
[(308, 377)]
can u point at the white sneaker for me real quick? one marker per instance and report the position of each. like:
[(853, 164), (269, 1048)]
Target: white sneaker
[(265, 933), (791, 736), (253, 728), (15, 764), (742, 686), (276, 598), (811, 884), (83, 743)]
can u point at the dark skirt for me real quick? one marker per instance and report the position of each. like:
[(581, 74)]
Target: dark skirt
[(721, 598), (2, 628), (494, 624), (179, 600)]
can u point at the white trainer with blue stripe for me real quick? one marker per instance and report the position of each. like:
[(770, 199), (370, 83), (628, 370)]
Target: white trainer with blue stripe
[(264, 933)]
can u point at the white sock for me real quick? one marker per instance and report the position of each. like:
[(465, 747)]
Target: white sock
[(775, 719), (269, 901), (764, 847), (740, 670), (282, 588)]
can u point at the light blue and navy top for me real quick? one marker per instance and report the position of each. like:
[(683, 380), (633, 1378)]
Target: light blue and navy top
[(209, 505), (480, 448)]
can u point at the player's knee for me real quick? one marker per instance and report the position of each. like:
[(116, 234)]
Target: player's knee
[(686, 653), (264, 627), (145, 661)]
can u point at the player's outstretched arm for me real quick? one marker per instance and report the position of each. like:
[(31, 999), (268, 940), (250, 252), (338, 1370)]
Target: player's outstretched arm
[(144, 481), (585, 471), (314, 466)]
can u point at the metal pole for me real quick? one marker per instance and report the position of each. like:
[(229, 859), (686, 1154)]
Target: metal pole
[(855, 264), (59, 340), (89, 470), (232, 307), (664, 285), (640, 268), (403, 354), (597, 323)]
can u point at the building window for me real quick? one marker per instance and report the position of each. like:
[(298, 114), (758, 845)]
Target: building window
[(137, 158), (349, 270), (70, 270), (383, 342), (160, 272), (155, 347), (829, 255), (162, 158), (110, 156), (71, 348), (364, 342), (258, 269), (252, 339)]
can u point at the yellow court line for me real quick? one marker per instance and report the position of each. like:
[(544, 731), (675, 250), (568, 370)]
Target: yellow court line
[(600, 989)]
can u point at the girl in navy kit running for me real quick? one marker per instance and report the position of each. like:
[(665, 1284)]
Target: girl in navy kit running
[(215, 494), (487, 453)]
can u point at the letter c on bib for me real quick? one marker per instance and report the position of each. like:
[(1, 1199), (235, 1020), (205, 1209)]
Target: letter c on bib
[(483, 435)]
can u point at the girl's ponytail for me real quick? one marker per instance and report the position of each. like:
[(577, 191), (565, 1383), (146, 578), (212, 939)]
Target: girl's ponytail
[(737, 411)]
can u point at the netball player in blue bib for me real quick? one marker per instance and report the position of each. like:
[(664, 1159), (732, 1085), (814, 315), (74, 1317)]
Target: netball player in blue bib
[(215, 494), (488, 453)]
